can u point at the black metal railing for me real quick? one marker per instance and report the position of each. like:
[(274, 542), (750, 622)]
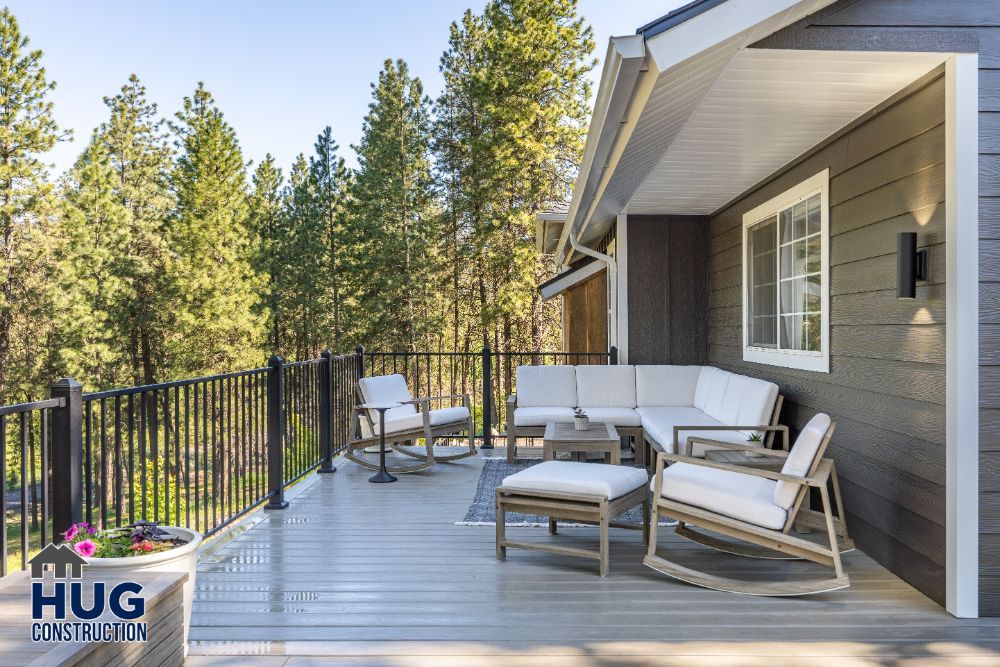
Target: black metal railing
[(204, 452)]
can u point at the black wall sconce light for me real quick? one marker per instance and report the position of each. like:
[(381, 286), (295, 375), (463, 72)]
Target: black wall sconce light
[(911, 265)]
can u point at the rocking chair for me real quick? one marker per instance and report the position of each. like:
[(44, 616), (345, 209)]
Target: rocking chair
[(758, 508), (406, 424)]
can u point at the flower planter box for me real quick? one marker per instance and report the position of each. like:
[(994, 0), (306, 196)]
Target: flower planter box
[(181, 559)]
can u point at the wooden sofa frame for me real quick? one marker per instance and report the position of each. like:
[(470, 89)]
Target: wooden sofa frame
[(400, 440), (756, 541)]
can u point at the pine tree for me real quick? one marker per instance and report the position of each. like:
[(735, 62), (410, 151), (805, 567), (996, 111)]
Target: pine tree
[(394, 215), (134, 140), (217, 324), (331, 180), (27, 129), (264, 222)]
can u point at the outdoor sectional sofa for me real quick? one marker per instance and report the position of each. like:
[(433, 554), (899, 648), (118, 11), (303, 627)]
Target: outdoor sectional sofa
[(655, 404)]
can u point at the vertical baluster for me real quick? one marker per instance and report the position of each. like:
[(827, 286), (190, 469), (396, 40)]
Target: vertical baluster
[(88, 471), (118, 462), (205, 445), (3, 495), (154, 449), (131, 458), (143, 443), (166, 457), (104, 462), (193, 461), (31, 473), (44, 476), (177, 456), (187, 456), (25, 524)]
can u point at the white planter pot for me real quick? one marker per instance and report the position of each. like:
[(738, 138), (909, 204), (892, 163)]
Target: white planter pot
[(180, 559), (582, 423)]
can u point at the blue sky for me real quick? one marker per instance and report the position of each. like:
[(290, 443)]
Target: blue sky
[(280, 71)]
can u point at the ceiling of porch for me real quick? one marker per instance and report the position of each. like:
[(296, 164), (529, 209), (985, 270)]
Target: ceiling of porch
[(766, 108)]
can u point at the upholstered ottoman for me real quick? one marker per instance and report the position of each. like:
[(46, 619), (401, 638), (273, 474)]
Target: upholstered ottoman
[(582, 492)]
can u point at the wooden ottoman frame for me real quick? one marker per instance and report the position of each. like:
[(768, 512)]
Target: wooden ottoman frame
[(583, 508)]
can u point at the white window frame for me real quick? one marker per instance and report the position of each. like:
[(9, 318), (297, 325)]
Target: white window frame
[(802, 360)]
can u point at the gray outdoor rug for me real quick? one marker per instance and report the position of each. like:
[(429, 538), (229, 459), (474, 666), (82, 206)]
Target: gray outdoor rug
[(482, 511)]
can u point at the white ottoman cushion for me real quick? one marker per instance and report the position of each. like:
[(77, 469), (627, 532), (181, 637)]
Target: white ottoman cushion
[(595, 479)]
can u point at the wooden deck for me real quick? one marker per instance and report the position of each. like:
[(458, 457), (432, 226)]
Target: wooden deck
[(359, 573)]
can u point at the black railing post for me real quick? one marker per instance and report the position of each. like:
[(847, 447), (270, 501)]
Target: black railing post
[(359, 360), (67, 457), (275, 434), (613, 356), (326, 407), (487, 398)]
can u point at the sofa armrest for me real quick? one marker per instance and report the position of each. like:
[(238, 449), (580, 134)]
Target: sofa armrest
[(743, 470), (721, 444), (724, 427)]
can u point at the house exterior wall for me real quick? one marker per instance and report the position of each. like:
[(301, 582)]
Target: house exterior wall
[(886, 385), (585, 315), (667, 294), (955, 26)]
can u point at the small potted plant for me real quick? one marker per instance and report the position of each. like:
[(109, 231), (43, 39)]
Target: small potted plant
[(580, 420), (756, 440), (141, 546)]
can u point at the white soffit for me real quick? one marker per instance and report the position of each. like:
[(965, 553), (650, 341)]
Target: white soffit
[(766, 108)]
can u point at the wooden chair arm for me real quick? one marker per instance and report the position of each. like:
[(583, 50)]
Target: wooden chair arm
[(721, 444), (724, 427), (754, 472)]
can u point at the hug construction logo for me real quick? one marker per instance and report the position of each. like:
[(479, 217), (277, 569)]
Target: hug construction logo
[(95, 613)]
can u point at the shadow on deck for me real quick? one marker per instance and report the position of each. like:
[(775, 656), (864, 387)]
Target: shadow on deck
[(359, 573)]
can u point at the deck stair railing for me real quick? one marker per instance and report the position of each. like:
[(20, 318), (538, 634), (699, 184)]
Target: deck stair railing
[(203, 452)]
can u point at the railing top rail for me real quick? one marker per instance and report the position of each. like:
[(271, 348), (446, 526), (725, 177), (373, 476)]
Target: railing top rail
[(478, 352), (125, 391), (33, 405), (305, 362)]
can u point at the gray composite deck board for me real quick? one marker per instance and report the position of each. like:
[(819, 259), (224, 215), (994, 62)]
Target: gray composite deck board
[(361, 571)]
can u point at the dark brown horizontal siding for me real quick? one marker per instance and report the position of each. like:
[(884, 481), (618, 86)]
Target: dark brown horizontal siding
[(886, 386)]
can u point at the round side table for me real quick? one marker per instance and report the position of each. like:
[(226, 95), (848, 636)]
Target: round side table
[(382, 476)]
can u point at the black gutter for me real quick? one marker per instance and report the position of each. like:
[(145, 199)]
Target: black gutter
[(676, 17)]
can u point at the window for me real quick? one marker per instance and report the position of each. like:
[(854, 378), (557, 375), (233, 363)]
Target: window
[(786, 279)]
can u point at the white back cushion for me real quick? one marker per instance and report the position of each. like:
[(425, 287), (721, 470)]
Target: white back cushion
[(711, 391), (800, 459), (546, 386), (605, 386), (387, 389), (666, 386), (757, 404)]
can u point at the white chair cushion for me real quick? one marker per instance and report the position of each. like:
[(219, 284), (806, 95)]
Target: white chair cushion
[(616, 416), (711, 390), (596, 479), (605, 386), (458, 413), (387, 389), (743, 497), (671, 386), (541, 416), (801, 458), (546, 386), (658, 423), (757, 405)]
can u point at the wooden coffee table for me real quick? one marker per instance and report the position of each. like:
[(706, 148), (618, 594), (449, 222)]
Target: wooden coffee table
[(563, 437), (740, 458)]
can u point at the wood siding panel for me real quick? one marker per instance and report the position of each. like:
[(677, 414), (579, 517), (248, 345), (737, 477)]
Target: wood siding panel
[(585, 315), (887, 176), (668, 296)]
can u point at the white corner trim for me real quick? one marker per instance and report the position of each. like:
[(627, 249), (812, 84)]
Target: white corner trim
[(807, 361), (621, 258), (571, 278), (962, 326)]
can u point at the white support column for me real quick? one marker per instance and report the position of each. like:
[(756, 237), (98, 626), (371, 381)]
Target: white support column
[(962, 354), (621, 259)]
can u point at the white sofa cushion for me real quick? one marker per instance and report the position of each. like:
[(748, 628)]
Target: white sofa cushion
[(711, 390), (546, 386), (739, 496), (387, 389), (757, 405), (605, 386), (541, 416), (596, 479), (671, 386), (458, 413), (616, 416), (801, 458)]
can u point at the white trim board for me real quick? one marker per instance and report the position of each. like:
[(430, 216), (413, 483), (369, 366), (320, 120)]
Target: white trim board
[(571, 278), (962, 338)]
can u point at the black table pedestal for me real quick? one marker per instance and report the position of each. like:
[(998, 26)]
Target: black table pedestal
[(383, 476)]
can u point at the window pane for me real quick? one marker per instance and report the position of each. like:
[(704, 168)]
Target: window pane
[(814, 217), (813, 249), (787, 230), (812, 325), (799, 215), (791, 332), (762, 308), (813, 296)]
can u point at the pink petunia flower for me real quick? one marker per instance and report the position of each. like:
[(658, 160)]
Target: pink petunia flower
[(71, 532), (86, 548)]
